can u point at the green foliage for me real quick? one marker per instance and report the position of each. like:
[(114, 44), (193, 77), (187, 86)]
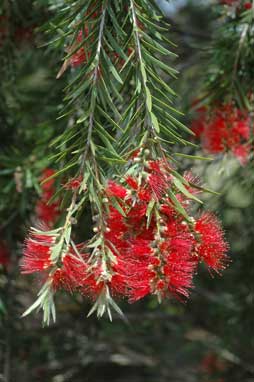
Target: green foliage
[(230, 75)]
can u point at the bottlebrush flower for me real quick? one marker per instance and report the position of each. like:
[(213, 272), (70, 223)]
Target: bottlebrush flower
[(211, 246), (131, 182), (158, 179), (224, 128), (133, 265), (91, 288), (67, 272), (149, 271), (177, 237), (116, 190), (116, 225), (60, 280), (179, 271), (97, 278), (137, 215), (37, 253), (72, 272), (176, 248)]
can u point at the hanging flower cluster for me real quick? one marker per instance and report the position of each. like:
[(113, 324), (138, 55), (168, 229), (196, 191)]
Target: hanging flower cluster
[(145, 243), (146, 240), (47, 211), (224, 129)]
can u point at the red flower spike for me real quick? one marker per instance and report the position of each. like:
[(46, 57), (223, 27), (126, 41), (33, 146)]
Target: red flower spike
[(73, 271), (133, 266), (212, 247), (159, 178), (144, 195), (226, 128), (115, 190), (157, 184), (94, 281), (116, 225), (61, 281), (178, 238), (91, 288), (37, 253), (131, 182), (179, 270)]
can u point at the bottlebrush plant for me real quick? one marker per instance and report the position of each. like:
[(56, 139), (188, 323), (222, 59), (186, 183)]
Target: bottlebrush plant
[(116, 161), (224, 120), (224, 129)]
